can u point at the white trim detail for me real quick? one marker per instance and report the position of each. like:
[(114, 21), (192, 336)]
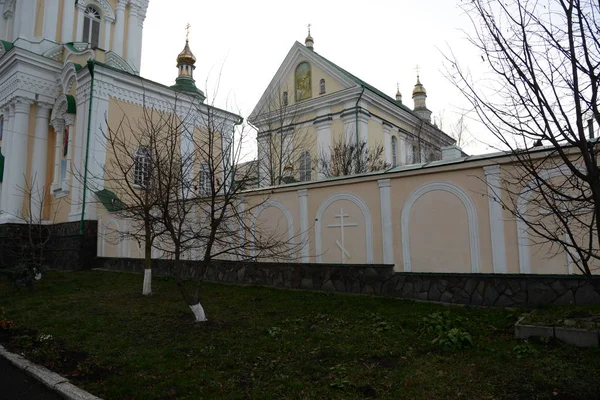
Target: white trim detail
[(68, 76), (471, 215), (286, 212), (304, 235), (105, 6), (492, 178), (366, 214), (387, 233), (522, 202)]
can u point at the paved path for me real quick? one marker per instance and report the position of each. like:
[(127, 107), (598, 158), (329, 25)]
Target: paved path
[(17, 385)]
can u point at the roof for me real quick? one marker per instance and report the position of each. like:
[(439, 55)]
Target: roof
[(362, 83), (109, 200)]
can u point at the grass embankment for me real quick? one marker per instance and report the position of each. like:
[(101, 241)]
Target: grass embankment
[(269, 343)]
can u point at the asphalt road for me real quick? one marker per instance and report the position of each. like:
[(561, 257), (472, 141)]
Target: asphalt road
[(17, 385)]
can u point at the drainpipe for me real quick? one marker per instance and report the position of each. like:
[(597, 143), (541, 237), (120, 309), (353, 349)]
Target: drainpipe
[(90, 65), (356, 123)]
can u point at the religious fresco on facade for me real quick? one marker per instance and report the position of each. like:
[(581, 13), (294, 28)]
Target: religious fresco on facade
[(303, 82)]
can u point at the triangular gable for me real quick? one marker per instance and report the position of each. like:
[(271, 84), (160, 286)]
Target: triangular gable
[(297, 53)]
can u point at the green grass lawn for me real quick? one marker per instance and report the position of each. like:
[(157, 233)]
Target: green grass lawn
[(268, 343)]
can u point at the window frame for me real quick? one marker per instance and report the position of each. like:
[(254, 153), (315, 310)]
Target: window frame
[(305, 169), (93, 22), (394, 151), (322, 86), (141, 167), (204, 187)]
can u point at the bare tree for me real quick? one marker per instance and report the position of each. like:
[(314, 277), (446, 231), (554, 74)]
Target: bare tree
[(545, 60), (198, 210), (29, 249), (131, 187), (282, 139), (348, 157), (460, 131)]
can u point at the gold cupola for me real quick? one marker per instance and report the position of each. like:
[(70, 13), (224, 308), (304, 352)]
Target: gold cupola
[(419, 88), (186, 56), (185, 80), (309, 42)]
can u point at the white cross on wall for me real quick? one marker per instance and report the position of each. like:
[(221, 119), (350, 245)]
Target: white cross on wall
[(342, 225)]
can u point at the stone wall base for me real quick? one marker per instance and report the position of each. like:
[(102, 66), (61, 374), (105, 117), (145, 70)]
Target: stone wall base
[(506, 290), (67, 249)]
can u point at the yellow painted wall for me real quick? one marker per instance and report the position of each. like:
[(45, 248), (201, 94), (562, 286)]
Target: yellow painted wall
[(39, 18)]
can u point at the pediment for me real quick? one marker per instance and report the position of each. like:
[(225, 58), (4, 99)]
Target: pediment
[(336, 79)]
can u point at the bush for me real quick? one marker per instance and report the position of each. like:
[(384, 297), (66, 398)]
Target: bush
[(449, 334), (24, 274)]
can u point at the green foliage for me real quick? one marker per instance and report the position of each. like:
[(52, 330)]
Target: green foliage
[(525, 350), (448, 331)]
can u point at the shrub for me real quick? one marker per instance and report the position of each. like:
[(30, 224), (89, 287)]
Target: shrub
[(5, 323), (449, 334)]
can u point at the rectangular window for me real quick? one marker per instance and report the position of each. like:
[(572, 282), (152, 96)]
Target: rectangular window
[(63, 170), (141, 167), (204, 184), (1, 127)]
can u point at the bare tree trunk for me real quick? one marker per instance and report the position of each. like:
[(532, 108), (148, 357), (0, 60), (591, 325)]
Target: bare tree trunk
[(147, 289)]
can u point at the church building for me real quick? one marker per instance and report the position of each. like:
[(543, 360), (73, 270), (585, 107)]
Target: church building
[(312, 103), (68, 70)]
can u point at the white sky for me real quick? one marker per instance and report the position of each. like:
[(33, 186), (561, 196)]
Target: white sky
[(381, 42)]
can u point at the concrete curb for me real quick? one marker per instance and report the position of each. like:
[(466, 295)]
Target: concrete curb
[(50, 379), (572, 336)]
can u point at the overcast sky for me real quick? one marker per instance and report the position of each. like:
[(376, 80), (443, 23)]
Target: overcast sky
[(245, 42)]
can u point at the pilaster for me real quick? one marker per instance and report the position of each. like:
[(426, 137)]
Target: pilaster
[(387, 143), (67, 22), (16, 158), (79, 29), (494, 187), (50, 19), (107, 25), (323, 128), (304, 234), (119, 34), (39, 160), (9, 121), (385, 196), (132, 37)]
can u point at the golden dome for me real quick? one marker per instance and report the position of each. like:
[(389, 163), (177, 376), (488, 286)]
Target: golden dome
[(186, 56), (419, 88)]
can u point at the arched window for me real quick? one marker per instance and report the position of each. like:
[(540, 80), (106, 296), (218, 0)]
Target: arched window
[(305, 167), (91, 26), (303, 81), (141, 167), (394, 151), (322, 86)]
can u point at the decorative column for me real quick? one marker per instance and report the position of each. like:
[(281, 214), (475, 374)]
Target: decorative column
[(363, 126), (16, 158), (25, 23), (494, 187), (132, 37), (68, 21), (70, 125), (385, 196), (38, 162), (8, 28), (141, 19), (264, 161), (304, 236), (387, 144), (107, 25), (403, 155), (119, 35), (323, 127), (59, 128), (50, 19), (9, 122), (80, 14)]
